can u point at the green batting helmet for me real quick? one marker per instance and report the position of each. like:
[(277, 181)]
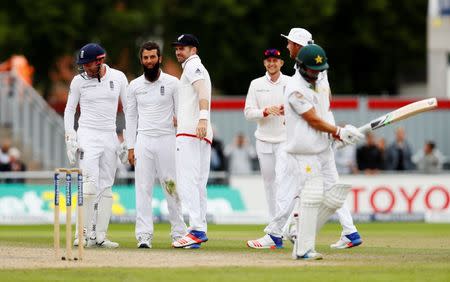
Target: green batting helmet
[(313, 57)]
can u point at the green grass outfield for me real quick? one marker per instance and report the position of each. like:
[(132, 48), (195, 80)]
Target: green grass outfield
[(391, 252)]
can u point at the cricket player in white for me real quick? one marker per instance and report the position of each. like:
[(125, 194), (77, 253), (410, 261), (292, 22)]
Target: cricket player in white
[(97, 89), (310, 158), (194, 137), (296, 39), (264, 104), (283, 224), (151, 104)]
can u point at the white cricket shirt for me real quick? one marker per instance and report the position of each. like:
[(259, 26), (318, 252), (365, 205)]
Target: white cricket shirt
[(151, 107), (98, 101), (264, 93), (300, 98), (188, 108)]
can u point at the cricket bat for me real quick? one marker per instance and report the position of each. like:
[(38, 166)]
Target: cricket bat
[(400, 114), (397, 115)]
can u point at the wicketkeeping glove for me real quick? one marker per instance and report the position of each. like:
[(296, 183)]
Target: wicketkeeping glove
[(123, 153), (72, 147)]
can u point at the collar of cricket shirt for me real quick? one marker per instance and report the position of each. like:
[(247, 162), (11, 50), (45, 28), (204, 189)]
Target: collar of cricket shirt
[(274, 82), (188, 59)]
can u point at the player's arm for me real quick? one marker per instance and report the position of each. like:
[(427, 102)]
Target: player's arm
[(131, 120), (69, 122), (203, 98), (252, 110), (175, 104), (71, 107), (123, 94), (317, 123), (349, 134)]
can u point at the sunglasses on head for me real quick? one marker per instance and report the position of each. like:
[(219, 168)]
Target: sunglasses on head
[(272, 53)]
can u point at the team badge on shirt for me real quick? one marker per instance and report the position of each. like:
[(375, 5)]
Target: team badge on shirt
[(161, 90), (308, 169), (111, 85)]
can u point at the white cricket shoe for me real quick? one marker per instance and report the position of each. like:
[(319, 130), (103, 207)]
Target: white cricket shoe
[(266, 242), (311, 255), (144, 241), (347, 241), (91, 243), (194, 237), (107, 244), (75, 242)]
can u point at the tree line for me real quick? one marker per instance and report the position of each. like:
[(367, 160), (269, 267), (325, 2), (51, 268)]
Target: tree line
[(372, 46)]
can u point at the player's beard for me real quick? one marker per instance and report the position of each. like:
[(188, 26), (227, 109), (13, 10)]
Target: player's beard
[(151, 74)]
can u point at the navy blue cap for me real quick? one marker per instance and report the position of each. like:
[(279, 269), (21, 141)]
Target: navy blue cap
[(272, 53), (186, 40), (90, 52)]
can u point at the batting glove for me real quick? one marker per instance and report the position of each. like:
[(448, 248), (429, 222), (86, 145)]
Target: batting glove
[(349, 134)]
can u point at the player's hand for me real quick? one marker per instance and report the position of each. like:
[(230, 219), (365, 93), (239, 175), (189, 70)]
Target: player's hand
[(338, 144), (349, 134), (202, 128), (275, 110), (72, 147), (175, 122), (131, 156), (282, 110), (123, 153)]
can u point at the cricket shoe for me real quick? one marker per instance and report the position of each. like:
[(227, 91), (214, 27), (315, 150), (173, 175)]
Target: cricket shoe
[(75, 242), (91, 243), (193, 246), (194, 237), (310, 255), (144, 241), (347, 241), (266, 242), (106, 244)]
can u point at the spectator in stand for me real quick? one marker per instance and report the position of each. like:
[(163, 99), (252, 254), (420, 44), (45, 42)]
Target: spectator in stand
[(429, 159), (381, 144), (218, 161), (240, 155), (15, 165), (369, 156), (4, 154), (346, 160), (398, 154)]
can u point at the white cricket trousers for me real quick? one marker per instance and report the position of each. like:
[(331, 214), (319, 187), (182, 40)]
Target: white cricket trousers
[(98, 162), (155, 157), (98, 157), (192, 163), (269, 159), (289, 188)]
